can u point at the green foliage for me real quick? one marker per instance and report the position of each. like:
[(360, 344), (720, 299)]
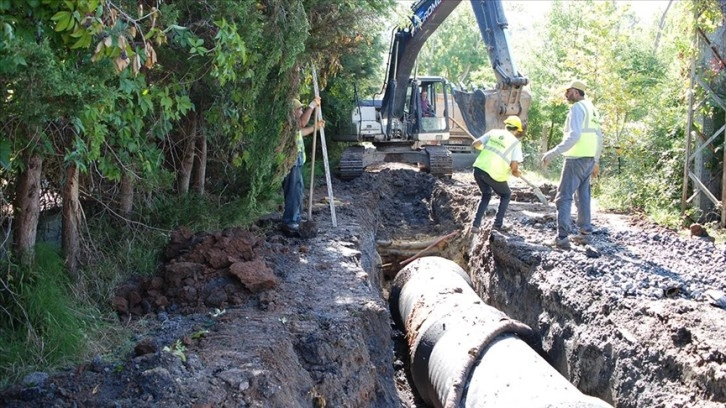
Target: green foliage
[(41, 323), (124, 250), (466, 63), (178, 349), (118, 93)]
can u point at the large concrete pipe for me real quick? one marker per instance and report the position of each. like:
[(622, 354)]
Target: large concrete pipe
[(467, 354)]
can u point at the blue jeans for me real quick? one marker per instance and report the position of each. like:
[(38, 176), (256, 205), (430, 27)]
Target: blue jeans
[(574, 181), (292, 189), (486, 184)]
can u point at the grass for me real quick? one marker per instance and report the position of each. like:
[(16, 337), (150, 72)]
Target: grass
[(44, 325)]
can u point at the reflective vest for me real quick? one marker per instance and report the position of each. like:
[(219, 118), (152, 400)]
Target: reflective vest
[(496, 154), (300, 144), (587, 145)]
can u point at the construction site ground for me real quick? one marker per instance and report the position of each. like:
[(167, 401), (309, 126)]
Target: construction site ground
[(254, 318)]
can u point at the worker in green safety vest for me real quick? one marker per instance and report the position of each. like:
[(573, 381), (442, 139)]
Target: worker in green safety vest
[(581, 147), (501, 153), (292, 185)]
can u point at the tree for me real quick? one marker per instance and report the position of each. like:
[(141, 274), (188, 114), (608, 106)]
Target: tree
[(457, 51), (124, 98), (54, 85)]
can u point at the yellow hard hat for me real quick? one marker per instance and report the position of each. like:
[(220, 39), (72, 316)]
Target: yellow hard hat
[(296, 104), (513, 121)]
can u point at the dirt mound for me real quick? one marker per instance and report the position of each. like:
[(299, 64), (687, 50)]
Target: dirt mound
[(201, 271)]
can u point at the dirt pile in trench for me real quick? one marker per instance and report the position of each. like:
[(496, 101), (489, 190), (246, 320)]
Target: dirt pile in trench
[(253, 318)]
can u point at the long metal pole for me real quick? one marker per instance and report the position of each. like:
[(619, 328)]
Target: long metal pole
[(319, 116), (723, 188)]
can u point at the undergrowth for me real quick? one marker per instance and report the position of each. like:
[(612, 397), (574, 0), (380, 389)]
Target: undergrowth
[(42, 325), (48, 321), (654, 197)]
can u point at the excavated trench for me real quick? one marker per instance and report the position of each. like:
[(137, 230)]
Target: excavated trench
[(269, 320), (581, 332), (430, 323)]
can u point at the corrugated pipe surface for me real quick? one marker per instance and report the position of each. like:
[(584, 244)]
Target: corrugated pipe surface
[(465, 353)]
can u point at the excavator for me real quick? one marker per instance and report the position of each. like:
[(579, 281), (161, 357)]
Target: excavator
[(412, 122)]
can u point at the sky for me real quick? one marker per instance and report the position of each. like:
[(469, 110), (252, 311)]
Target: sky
[(647, 10)]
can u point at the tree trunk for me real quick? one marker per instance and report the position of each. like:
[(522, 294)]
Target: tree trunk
[(26, 208), (187, 161), (200, 165), (71, 222), (543, 145), (126, 201), (662, 24)]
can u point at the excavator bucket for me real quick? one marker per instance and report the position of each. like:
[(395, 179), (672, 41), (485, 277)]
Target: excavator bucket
[(486, 109)]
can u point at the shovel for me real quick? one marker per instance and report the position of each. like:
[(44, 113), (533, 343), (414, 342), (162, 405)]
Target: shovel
[(541, 197), (308, 227)]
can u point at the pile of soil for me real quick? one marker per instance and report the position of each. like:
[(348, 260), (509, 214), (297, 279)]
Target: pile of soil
[(254, 318)]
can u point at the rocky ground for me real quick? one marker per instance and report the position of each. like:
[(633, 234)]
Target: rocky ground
[(253, 318)]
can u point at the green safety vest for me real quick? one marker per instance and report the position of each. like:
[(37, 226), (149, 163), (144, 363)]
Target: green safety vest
[(587, 145), (300, 144), (496, 154)]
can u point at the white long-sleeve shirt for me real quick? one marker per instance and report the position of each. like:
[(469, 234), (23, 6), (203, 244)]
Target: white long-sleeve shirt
[(573, 131)]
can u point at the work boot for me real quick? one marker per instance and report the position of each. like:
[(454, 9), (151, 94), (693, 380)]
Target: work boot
[(501, 228), (562, 243), (582, 239), (291, 230)]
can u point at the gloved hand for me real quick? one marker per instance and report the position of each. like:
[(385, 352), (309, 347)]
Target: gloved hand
[(596, 170), (314, 103), (547, 158)]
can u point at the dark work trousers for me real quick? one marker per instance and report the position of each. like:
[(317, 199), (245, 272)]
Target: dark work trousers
[(292, 188), (486, 184)]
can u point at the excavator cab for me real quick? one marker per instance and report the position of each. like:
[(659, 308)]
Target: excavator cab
[(428, 109), (414, 134)]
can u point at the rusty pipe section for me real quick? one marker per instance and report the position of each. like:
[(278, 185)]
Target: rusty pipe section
[(465, 353)]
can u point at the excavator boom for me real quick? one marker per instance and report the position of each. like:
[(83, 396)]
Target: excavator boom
[(411, 121), (493, 27)]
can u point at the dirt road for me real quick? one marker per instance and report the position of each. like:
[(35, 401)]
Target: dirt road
[(255, 319)]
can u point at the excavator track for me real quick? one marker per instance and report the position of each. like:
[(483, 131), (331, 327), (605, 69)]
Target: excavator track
[(440, 161), (351, 163)]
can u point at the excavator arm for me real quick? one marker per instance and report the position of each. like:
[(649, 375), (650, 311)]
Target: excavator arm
[(481, 109), (412, 126), (493, 27), (486, 109), (406, 45)]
